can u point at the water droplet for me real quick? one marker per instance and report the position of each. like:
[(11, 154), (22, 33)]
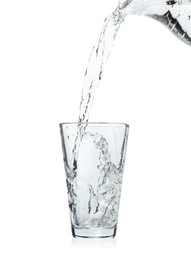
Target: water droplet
[(189, 16)]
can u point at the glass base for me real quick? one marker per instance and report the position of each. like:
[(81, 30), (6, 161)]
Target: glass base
[(94, 232)]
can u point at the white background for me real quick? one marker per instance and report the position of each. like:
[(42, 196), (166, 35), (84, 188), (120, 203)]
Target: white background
[(44, 48)]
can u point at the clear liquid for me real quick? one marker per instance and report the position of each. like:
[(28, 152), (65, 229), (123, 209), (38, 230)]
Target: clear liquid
[(94, 192), (176, 16)]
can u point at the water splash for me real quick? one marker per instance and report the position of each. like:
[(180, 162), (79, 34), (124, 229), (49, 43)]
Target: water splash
[(102, 207)]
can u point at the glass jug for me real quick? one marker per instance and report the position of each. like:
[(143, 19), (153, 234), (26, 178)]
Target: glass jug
[(175, 15)]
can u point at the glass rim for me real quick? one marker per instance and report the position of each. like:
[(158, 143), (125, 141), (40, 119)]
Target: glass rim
[(94, 124)]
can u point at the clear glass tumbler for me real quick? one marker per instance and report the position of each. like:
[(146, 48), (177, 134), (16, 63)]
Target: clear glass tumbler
[(94, 157)]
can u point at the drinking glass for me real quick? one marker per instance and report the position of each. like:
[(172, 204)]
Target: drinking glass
[(94, 158)]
